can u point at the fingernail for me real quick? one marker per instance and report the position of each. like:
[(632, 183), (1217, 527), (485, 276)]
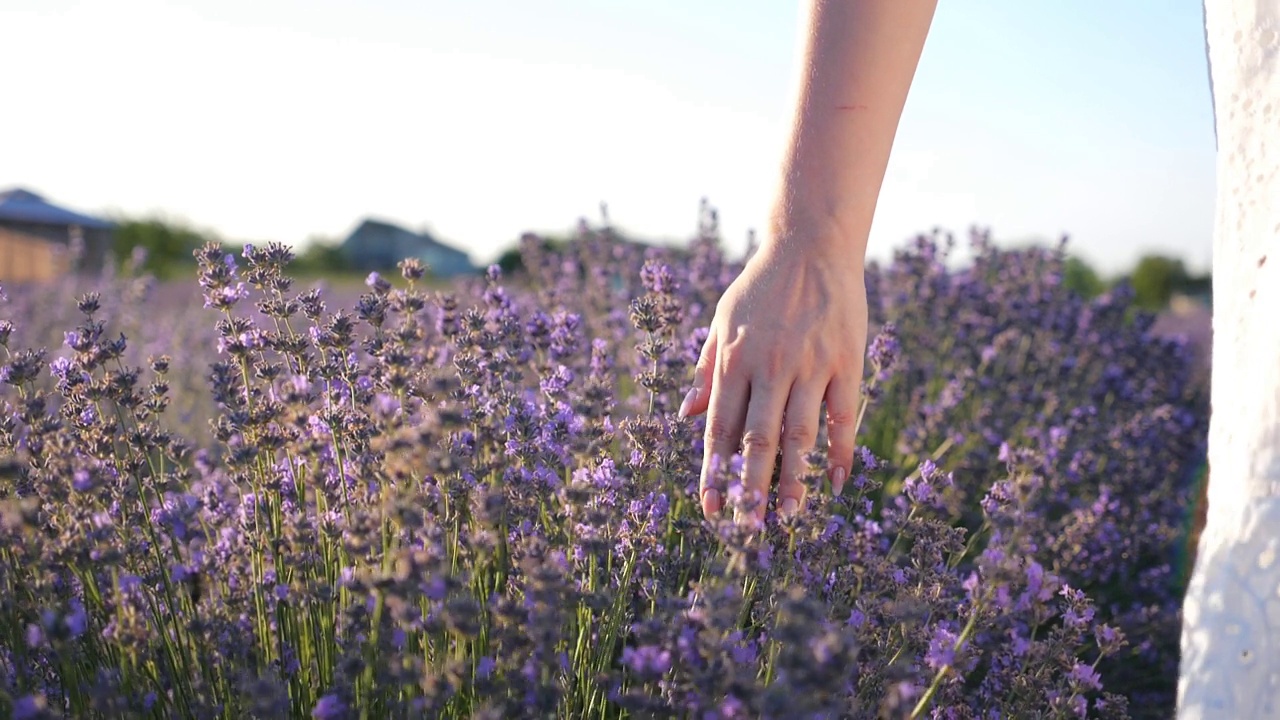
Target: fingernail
[(789, 506), (837, 480), (687, 404), (711, 501), (748, 518)]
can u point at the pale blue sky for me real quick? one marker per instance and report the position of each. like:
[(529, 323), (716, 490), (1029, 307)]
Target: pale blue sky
[(285, 119)]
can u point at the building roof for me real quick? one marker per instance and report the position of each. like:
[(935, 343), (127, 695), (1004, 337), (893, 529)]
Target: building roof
[(371, 228), (18, 205), (379, 245)]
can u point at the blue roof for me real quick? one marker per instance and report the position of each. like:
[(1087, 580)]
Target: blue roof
[(20, 205)]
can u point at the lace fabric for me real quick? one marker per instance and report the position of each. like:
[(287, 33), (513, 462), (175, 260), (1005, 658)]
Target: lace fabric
[(1230, 665)]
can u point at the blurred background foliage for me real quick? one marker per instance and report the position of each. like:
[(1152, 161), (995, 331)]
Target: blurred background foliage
[(1156, 279), (169, 243)]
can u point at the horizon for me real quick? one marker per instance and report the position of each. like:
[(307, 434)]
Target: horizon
[(477, 123)]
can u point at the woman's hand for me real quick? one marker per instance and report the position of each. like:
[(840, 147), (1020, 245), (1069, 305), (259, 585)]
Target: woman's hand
[(789, 333)]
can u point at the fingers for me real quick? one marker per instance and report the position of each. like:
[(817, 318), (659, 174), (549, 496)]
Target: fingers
[(696, 400), (725, 412), (760, 437), (799, 436), (843, 397), (747, 411)]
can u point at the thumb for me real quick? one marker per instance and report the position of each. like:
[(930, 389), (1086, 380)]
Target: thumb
[(696, 400)]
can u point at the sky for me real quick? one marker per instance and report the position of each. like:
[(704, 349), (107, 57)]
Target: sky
[(292, 120)]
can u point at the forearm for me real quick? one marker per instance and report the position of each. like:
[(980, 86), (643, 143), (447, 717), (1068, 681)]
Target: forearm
[(859, 60)]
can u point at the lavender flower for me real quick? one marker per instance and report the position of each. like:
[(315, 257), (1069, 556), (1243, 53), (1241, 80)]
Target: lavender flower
[(480, 502)]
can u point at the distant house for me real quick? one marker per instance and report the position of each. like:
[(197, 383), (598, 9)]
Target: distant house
[(37, 238), (377, 245)]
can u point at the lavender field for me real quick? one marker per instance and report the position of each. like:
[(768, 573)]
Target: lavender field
[(255, 499)]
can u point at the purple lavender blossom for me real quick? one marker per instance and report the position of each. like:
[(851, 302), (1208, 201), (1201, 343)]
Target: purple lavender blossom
[(479, 501), (329, 707), (647, 660), (941, 649), (30, 707)]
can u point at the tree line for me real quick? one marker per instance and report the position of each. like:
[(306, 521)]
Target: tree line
[(1155, 279), (168, 245)]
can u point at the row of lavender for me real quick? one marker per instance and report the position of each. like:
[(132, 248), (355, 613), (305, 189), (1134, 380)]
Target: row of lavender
[(481, 503)]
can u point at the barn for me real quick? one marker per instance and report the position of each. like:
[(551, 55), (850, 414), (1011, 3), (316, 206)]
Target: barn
[(378, 245), (40, 240)]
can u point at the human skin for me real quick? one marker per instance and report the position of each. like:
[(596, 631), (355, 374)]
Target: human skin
[(790, 333)]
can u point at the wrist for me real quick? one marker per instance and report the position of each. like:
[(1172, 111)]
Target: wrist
[(819, 232)]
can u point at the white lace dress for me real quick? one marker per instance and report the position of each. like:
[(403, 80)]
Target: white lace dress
[(1231, 624)]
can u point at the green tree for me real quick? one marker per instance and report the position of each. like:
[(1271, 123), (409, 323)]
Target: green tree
[(321, 256), (511, 261), (1080, 277), (1156, 278), (168, 244)]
